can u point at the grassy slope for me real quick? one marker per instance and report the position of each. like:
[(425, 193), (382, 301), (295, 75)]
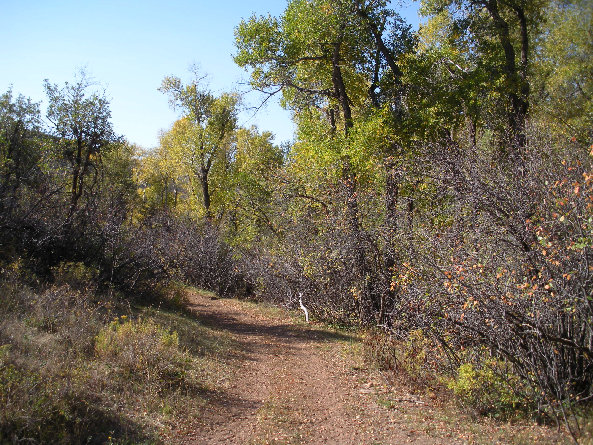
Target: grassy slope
[(76, 369)]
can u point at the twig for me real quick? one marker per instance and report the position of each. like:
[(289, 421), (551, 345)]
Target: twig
[(302, 306)]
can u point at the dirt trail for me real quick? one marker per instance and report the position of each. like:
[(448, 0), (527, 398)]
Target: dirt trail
[(293, 384)]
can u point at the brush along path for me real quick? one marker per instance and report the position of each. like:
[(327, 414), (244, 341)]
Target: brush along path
[(293, 383)]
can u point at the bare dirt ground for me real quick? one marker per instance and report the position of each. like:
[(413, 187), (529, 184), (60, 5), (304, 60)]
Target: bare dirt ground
[(304, 384)]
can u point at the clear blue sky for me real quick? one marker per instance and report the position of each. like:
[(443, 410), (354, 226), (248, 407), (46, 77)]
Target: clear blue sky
[(128, 47)]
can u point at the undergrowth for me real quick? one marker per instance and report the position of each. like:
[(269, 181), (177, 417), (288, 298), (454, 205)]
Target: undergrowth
[(82, 366), (478, 384)]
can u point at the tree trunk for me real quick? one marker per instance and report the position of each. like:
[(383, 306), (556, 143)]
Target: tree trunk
[(340, 88), (517, 81), (205, 190)]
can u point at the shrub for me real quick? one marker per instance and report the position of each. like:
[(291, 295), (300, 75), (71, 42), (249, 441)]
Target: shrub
[(143, 350), (71, 314), (74, 274), (415, 359), (489, 389), (51, 404)]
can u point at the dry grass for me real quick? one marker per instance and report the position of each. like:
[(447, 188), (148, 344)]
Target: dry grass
[(75, 368)]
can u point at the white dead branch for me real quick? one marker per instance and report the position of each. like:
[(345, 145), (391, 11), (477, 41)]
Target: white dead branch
[(302, 306)]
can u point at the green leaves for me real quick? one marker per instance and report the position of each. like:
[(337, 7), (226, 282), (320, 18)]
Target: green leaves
[(193, 100), (77, 112), (200, 143), (257, 39), (81, 119), (565, 68)]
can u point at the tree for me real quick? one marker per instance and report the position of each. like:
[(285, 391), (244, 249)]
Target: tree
[(315, 54), (81, 124), (20, 128), (337, 65), (565, 69), (491, 42), (21, 170), (161, 177), (203, 136), (254, 173)]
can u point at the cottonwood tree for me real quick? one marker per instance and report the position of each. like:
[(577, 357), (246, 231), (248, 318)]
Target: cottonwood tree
[(254, 176), (202, 138), (564, 69), (20, 128), (336, 65), (489, 45)]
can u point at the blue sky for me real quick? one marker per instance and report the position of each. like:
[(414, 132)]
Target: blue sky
[(128, 47)]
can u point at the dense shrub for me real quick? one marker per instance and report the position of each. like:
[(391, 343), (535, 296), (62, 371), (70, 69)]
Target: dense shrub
[(142, 350), (504, 264), (492, 389)]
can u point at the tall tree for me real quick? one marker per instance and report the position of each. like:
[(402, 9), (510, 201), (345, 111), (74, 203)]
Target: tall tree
[(204, 134), (565, 68), (254, 175), (81, 123), (492, 39), (20, 127), (335, 63)]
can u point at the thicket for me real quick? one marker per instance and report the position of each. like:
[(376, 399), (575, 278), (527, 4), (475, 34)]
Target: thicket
[(439, 188), (438, 191)]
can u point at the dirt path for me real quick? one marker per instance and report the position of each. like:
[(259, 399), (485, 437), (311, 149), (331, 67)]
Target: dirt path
[(293, 384)]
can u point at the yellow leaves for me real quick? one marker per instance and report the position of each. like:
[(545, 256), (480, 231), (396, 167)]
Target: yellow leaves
[(406, 275), (327, 9)]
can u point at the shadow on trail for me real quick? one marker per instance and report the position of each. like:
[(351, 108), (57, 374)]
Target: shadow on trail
[(278, 330)]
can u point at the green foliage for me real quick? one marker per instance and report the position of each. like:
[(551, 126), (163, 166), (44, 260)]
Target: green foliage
[(120, 164), (253, 176), (20, 125), (299, 53), (75, 274), (490, 388), (81, 121), (564, 67)]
